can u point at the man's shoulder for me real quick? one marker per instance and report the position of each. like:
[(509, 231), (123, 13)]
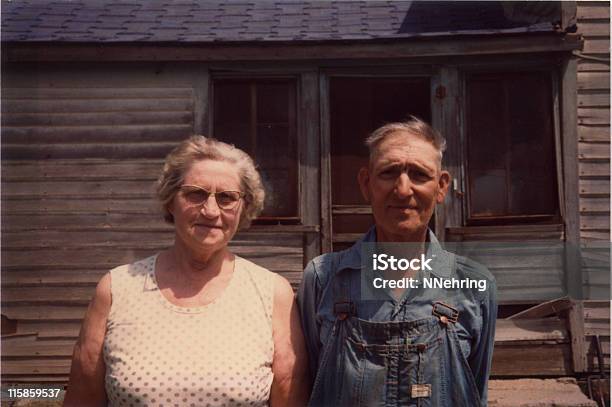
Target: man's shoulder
[(325, 266), (325, 263)]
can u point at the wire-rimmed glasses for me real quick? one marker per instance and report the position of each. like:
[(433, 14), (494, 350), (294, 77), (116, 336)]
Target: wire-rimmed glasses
[(196, 196)]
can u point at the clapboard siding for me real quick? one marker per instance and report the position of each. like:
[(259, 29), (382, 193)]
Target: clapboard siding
[(86, 169), (91, 150), (597, 323), (594, 125), (92, 134), (96, 119), (592, 10)]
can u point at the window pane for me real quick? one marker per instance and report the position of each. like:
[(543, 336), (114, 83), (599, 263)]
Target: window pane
[(357, 107), (232, 102), (258, 116), (533, 187), (272, 103), (489, 186), (278, 165), (510, 143)]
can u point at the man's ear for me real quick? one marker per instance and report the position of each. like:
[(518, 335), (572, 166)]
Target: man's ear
[(363, 178), (443, 184)]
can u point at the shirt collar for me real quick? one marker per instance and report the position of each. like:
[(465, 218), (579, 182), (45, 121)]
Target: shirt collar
[(442, 263)]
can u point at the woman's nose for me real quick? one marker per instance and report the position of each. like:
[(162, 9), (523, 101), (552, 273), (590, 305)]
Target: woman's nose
[(210, 208)]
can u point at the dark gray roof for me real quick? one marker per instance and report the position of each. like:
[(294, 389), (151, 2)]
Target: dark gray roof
[(267, 20)]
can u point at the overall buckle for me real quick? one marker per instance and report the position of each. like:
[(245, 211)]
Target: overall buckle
[(343, 309), (445, 311)]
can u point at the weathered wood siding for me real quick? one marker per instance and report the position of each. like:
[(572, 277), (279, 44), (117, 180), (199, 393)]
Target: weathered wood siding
[(594, 119), (82, 147), (597, 324), (594, 143)]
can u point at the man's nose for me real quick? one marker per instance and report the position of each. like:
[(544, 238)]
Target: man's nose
[(403, 186), (210, 208)]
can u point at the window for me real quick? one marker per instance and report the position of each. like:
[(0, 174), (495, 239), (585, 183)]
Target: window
[(511, 172), (259, 116)]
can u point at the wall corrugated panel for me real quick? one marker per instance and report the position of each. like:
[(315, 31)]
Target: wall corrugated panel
[(594, 142), (515, 254)]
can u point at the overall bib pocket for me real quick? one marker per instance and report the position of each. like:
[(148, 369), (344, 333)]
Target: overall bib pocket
[(392, 364), (421, 372), (366, 373)]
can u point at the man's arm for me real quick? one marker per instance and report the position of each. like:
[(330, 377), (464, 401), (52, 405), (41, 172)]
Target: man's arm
[(481, 357), (308, 299)]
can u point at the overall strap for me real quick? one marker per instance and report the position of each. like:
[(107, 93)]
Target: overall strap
[(341, 291)]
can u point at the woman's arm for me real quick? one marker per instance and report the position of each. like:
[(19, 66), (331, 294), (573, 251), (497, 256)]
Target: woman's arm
[(291, 385), (86, 386)]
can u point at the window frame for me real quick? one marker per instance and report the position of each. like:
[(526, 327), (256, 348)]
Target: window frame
[(557, 169), (372, 71), (266, 222)]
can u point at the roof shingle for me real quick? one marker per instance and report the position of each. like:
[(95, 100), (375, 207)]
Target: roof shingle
[(261, 20)]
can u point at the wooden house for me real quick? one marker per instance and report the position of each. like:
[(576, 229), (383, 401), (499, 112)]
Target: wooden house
[(96, 93)]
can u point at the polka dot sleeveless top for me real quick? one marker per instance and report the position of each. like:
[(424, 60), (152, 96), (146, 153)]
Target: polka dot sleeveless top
[(160, 354)]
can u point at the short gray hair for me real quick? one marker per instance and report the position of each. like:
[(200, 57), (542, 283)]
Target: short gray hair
[(197, 148), (414, 126)]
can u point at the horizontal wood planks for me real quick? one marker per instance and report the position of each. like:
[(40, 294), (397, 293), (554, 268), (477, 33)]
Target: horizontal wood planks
[(59, 122), (79, 166), (533, 359), (597, 324), (594, 119), (531, 347)]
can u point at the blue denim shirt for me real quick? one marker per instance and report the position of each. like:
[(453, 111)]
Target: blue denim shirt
[(394, 351)]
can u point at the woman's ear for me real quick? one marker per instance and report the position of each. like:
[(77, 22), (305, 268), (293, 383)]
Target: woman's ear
[(169, 206), (363, 178)]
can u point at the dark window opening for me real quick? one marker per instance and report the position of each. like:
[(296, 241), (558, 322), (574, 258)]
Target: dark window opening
[(511, 170), (259, 117), (357, 107)]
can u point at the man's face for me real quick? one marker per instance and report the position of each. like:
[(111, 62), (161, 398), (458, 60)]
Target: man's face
[(403, 183)]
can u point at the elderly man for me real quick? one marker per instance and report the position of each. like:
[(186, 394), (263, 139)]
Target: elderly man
[(416, 344)]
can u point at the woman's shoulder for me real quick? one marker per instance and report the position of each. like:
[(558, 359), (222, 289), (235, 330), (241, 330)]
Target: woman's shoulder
[(137, 266), (262, 274), (261, 277), (132, 273)]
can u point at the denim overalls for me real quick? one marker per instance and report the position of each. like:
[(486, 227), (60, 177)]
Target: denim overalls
[(433, 348)]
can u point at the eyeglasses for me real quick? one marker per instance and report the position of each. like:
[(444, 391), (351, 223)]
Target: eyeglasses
[(195, 195)]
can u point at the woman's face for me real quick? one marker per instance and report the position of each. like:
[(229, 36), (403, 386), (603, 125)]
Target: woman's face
[(204, 226)]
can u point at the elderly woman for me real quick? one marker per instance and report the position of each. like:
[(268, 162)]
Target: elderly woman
[(194, 325)]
